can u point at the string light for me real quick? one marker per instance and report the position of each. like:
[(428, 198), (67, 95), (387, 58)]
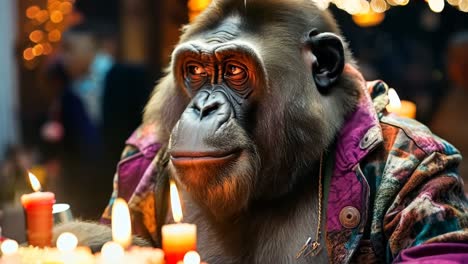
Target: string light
[(32, 11), (378, 6), (36, 36), (463, 5), (44, 28), (453, 2), (56, 16), (28, 54), (436, 5), (54, 35)]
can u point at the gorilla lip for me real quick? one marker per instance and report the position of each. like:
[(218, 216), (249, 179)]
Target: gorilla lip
[(186, 158)]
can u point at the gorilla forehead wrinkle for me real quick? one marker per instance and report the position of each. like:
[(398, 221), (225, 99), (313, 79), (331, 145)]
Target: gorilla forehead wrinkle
[(228, 30)]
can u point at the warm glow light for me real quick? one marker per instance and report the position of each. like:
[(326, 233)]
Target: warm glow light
[(198, 5), (67, 242), (463, 5), (56, 16), (36, 36), (54, 5), (121, 223), (352, 6), (47, 48), (28, 54), (322, 4), (453, 2), (42, 16), (192, 257), (66, 7), (9, 247), (368, 19), (35, 184), (339, 3), (404, 2), (55, 35), (436, 5), (32, 11), (175, 203), (112, 252), (38, 50), (378, 6), (365, 7), (394, 99)]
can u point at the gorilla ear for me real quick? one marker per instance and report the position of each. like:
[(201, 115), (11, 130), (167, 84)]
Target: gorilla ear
[(329, 62)]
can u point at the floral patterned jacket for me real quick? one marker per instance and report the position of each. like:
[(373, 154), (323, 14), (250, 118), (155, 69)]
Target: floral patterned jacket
[(394, 185)]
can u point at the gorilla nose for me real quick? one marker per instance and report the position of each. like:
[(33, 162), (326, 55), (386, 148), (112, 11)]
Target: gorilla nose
[(214, 104), (208, 109)]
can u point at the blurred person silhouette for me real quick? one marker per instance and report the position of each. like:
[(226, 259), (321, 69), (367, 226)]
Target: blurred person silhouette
[(98, 110), (451, 120)]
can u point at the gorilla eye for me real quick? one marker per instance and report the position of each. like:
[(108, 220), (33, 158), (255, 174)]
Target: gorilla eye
[(236, 75), (233, 70), (195, 75), (196, 69)]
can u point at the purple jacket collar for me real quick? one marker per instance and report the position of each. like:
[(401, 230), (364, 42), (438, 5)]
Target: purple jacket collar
[(349, 192)]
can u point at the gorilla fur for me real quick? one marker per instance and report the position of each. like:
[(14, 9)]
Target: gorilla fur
[(261, 205)]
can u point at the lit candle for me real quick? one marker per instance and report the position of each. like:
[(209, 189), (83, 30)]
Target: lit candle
[(67, 242), (111, 252), (9, 250), (121, 223), (192, 257), (179, 238), (400, 107), (69, 253), (39, 220)]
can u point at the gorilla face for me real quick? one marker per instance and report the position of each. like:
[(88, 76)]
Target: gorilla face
[(254, 96), (212, 147)]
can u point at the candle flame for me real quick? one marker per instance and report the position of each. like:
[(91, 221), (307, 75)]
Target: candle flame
[(67, 242), (395, 102), (35, 184), (175, 203), (121, 223), (192, 257), (9, 247)]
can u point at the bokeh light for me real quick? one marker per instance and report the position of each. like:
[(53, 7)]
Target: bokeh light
[(378, 6), (42, 16), (66, 7), (56, 16), (38, 50), (32, 11), (55, 35), (28, 54), (436, 5), (36, 36)]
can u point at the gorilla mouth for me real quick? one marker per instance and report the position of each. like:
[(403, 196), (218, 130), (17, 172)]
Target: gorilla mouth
[(212, 157)]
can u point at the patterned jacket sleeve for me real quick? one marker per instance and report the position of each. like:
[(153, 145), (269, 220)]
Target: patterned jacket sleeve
[(430, 205), (135, 182)]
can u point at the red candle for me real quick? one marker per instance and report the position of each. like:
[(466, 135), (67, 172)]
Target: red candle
[(179, 238), (39, 220)]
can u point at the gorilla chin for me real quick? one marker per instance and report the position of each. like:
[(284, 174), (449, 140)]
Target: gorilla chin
[(218, 175)]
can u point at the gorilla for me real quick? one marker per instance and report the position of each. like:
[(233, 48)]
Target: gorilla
[(281, 156)]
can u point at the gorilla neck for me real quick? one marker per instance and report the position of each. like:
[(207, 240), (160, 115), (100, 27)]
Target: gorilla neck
[(279, 226)]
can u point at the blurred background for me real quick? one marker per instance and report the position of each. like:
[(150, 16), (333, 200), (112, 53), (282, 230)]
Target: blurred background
[(75, 75)]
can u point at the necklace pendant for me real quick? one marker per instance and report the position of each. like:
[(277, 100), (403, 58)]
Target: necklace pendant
[(310, 247), (314, 250)]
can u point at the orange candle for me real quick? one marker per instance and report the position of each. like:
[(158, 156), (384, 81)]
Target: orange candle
[(39, 220), (179, 238)]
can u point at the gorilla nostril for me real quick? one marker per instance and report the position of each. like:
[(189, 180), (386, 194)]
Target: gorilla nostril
[(209, 109)]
